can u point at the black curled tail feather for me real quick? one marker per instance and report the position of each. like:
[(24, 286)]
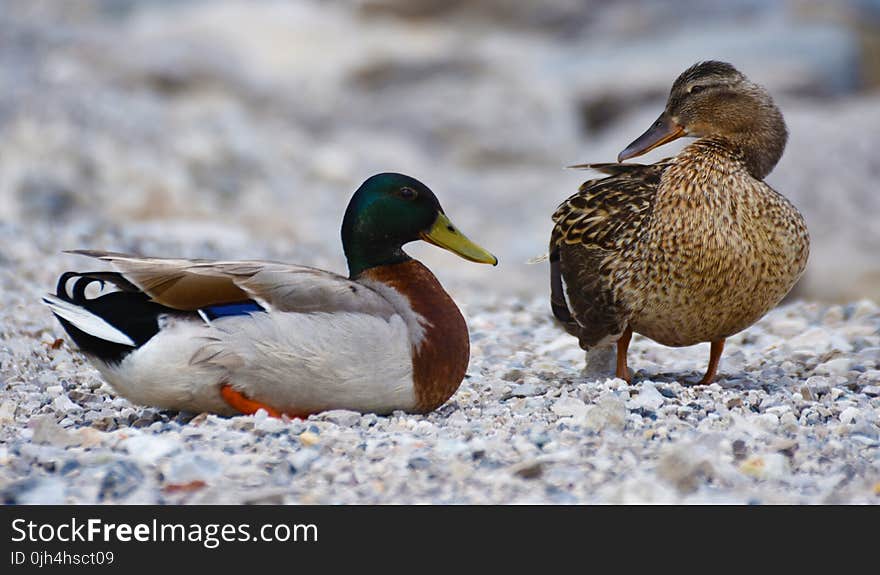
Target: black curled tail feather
[(129, 310), (78, 293)]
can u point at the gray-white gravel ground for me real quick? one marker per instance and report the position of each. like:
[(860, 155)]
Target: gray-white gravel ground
[(793, 418), (236, 129)]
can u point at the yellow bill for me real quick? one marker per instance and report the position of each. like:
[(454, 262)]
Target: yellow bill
[(445, 235)]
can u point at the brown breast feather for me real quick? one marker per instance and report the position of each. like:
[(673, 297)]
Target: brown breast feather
[(441, 359)]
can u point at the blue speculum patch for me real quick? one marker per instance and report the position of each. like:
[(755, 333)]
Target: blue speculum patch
[(231, 309)]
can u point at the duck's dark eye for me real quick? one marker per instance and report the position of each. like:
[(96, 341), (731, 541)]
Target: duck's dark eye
[(407, 193), (696, 89)]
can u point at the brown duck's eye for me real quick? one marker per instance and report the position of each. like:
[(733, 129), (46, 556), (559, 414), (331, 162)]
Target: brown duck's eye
[(696, 89), (407, 193)]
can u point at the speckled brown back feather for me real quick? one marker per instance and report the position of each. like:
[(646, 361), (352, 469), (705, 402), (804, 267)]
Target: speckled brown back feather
[(608, 210)]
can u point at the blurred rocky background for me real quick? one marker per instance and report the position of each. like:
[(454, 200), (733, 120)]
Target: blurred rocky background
[(241, 128)]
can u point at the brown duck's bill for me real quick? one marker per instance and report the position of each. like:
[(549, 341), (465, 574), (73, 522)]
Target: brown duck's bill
[(445, 235), (662, 131)]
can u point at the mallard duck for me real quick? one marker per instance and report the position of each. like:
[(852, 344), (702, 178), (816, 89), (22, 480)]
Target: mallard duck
[(693, 248), (234, 337)]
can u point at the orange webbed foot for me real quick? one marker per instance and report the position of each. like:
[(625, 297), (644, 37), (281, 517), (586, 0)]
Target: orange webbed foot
[(247, 406)]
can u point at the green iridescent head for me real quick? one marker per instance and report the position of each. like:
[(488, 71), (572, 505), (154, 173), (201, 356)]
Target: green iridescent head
[(390, 210)]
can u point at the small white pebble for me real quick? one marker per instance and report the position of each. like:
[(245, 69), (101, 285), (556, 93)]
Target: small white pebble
[(768, 421), (788, 421), (849, 415), (836, 366), (63, 403), (569, 407)]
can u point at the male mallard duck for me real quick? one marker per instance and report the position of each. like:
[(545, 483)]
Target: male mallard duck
[(236, 336), (693, 248)]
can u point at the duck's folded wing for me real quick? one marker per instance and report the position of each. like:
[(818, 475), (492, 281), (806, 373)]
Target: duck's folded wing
[(601, 219), (604, 211), (194, 284)]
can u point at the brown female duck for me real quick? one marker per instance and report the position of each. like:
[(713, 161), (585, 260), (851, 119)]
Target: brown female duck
[(694, 248)]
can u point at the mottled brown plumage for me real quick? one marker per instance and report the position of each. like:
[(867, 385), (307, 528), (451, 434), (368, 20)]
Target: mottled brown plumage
[(693, 248)]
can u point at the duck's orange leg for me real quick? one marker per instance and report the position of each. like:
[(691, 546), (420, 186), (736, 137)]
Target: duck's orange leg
[(622, 347), (248, 406), (714, 358)]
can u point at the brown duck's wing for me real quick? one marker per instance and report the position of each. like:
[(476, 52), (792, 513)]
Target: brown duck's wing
[(604, 217), (603, 210), (192, 284)]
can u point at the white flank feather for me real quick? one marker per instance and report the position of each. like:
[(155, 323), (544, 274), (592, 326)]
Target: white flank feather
[(312, 362), (299, 362), (86, 321)]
